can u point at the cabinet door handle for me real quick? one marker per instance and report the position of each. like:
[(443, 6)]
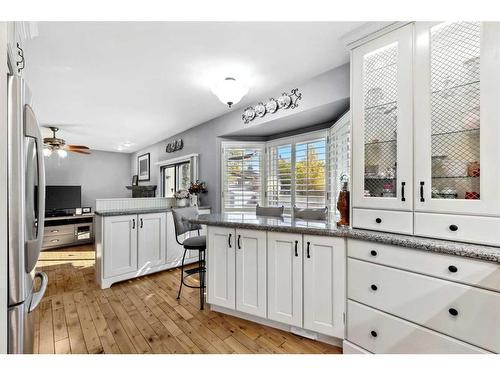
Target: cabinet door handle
[(422, 191), (308, 249), (374, 287), (403, 199), (373, 253), (229, 240), (453, 312), (296, 248), (374, 333), (453, 227), (452, 269), (239, 244), (133, 223), (141, 223)]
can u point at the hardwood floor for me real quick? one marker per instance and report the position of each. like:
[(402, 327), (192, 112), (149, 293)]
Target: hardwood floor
[(142, 316)]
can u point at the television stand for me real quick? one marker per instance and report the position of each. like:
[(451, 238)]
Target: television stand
[(62, 231)]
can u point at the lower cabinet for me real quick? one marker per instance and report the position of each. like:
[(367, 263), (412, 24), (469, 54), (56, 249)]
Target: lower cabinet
[(284, 261), (324, 284), (120, 244), (251, 272), (151, 240), (288, 278), (130, 245), (221, 267)]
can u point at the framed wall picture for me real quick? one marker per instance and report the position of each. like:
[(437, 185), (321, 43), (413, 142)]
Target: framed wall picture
[(135, 180), (143, 167)]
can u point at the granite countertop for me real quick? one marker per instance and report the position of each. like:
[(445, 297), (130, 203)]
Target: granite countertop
[(138, 211), (325, 228)]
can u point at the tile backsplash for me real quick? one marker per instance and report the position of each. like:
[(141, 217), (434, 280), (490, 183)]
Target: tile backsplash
[(132, 203)]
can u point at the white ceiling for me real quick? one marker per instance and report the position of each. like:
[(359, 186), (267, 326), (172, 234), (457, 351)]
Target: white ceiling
[(109, 84)]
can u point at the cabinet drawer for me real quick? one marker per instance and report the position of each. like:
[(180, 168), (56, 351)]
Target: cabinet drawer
[(58, 230), (386, 221), (61, 240), (385, 334), (477, 229), (467, 313), (449, 267)]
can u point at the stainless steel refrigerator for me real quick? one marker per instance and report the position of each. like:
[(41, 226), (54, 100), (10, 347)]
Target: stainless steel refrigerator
[(26, 208)]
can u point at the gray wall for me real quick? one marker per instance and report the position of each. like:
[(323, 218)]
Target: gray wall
[(101, 174), (204, 139)]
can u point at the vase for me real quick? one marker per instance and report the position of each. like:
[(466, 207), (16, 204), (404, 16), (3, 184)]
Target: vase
[(194, 200), (182, 202)]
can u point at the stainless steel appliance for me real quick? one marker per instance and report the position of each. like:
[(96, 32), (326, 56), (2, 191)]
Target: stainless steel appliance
[(26, 207)]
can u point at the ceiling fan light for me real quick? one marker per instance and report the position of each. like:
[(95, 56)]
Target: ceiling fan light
[(62, 153), (47, 152), (229, 91)]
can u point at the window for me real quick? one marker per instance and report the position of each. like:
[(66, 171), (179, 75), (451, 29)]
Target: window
[(242, 170), (176, 177), (296, 173), (339, 160)]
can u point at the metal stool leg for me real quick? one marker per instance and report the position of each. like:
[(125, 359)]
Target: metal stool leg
[(202, 278), (182, 274)]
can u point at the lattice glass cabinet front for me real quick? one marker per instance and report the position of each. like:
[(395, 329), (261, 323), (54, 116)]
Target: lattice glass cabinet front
[(382, 121), (457, 117)]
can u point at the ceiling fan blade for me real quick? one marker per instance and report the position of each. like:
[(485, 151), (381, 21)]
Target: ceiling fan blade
[(80, 151), (77, 146)]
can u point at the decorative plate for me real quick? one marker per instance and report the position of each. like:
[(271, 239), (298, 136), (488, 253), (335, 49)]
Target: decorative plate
[(260, 110), (248, 115), (271, 105), (179, 144), (284, 101)]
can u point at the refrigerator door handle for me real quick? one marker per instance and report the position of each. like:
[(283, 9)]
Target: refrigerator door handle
[(34, 245), (37, 296)]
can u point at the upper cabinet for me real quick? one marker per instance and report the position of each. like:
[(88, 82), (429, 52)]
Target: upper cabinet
[(457, 125), (426, 130), (382, 122)]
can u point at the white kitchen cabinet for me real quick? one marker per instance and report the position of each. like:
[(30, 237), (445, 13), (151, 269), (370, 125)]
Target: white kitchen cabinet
[(221, 267), (324, 284), (284, 274), (251, 272), (119, 245), (457, 150), (382, 122), (151, 240)]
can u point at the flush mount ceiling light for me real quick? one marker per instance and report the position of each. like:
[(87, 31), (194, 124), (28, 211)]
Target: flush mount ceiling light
[(229, 91)]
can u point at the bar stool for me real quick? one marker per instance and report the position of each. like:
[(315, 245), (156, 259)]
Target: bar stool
[(199, 243)]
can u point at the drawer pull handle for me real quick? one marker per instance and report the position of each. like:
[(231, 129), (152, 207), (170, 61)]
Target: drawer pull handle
[(452, 269), (453, 227), (373, 253), (373, 287), (378, 220), (453, 312), (308, 249), (54, 240), (374, 333), (296, 250), (54, 231)]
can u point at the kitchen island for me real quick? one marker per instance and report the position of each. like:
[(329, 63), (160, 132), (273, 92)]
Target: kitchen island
[(378, 292)]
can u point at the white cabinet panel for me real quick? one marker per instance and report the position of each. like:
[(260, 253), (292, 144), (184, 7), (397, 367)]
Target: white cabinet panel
[(324, 284), (221, 266), (120, 245), (384, 221), (284, 274), (382, 333), (466, 313), (382, 121), (251, 272), (151, 240)]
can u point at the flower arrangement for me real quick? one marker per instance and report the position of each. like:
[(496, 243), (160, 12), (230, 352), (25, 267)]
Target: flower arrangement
[(198, 187), (181, 194)]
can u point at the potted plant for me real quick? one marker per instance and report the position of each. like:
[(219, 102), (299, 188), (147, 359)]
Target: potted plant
[(182, 197), (198, 187)]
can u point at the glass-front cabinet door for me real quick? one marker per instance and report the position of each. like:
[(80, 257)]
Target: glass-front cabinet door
[(457, 117), (382, 122)]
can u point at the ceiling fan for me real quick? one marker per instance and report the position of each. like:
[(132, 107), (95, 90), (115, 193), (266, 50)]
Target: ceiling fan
[(54, 144)]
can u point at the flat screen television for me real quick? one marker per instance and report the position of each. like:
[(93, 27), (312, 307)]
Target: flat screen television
[(62, 197)]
